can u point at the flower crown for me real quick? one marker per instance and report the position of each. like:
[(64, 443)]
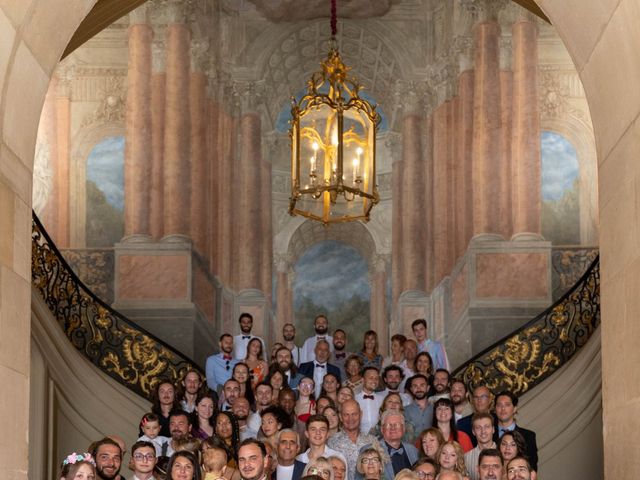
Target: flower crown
[(79, 457)]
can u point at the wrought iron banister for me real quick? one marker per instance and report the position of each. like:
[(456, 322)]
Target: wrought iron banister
[(532, 353), (116, 345)]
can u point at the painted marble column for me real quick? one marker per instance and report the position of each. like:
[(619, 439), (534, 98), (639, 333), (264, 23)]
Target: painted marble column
[(197, 105), (213, 159), (137, 153), (158, 79), (486, 128), (226, 141), (266, 232), (464, 179), (63, 141), (177, 165), (505, 203), (526, 128), (397, 168), (247, 194), (378, 305), (441, 187), (413, 200)]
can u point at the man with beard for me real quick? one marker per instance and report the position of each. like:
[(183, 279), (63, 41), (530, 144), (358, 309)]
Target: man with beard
[(180, 426), (219, 367), (241, 410), (190, 386), (461, 404), (264, 399), (289, 336), (318, 367), (481, 400), (287, 446), (419, 412), (440, 385), (108, 457), (490, 465), (321, 326), (340, 353), (519, 468), (392, 377), (252, 459), (483, 430), (241, 341), (284, 359), (231, 391)]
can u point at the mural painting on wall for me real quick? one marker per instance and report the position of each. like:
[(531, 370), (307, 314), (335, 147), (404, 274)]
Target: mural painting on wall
[(332, 279), (560, 190), (105, 193)]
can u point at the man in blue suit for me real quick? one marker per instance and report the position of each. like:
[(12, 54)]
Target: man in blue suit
[(401, 454), (320, 367), (287, 446)]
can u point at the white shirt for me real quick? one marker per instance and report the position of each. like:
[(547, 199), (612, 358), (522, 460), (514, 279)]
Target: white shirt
[(318, 376), (307, 352), (240, 346), (370, 410), (328, 452), (285, 473)]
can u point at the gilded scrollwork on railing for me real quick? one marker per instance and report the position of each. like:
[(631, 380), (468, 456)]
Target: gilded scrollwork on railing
[(124, 351), (532, 353)]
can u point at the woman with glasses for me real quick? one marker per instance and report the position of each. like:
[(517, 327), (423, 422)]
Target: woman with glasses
[(321, 467), (451, 458), (369, 464), (184, 466), (306, 404), (444, 419), (426, 468)]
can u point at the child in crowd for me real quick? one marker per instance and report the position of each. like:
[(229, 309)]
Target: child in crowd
[(150, 426)]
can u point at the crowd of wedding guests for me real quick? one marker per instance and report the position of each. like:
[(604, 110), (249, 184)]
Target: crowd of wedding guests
[(319, 412)]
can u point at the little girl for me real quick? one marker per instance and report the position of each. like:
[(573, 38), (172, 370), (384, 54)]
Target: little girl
[(150, 426)]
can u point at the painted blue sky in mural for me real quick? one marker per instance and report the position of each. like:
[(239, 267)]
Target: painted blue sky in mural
[(559, 165), (105, 167), (330, 273)]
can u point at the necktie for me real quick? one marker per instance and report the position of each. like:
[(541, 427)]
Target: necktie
[(319, 366), (244, 337), (340, 355), (368, 397), (396, 451)]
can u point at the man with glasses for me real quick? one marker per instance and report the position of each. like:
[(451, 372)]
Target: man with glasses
[(483, 430), (481, 400), (402, 454), (519, 468), (490, 465), (425, 468), (219, 367), (144, 460)]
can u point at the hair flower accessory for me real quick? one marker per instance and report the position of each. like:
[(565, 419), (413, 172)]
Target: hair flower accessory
[(78, 457)]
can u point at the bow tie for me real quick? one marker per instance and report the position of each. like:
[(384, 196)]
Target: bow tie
[(322, 337), (368, 397), (396, 451), (226, 357), (319, 366), (227, 407), (340, 355), (244, 337)]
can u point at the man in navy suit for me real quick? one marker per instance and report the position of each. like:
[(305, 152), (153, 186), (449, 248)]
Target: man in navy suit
[(287, 446), (506, 409), (320, 367), (402, 454)]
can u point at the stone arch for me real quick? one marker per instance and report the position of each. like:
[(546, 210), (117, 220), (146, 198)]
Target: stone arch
[(80, 150)]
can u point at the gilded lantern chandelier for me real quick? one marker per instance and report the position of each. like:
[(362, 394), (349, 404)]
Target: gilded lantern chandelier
[(333, 145)]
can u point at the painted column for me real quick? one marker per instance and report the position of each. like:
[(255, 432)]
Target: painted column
[(213, 159), (441, 188), (427, 218), (266, 232), (396, 229), (226, 140), (486, 127), (413, 199), (158, 79), (526, 128), (63, 140), (198, 105), (464, 179), (177, 165), (137, 154), (247, 194), (378, 305), (506, 185)]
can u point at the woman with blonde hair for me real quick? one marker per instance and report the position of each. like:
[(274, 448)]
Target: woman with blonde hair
[(450, 458), (430, 441), (321, 466), (406, 474), (370, 464)]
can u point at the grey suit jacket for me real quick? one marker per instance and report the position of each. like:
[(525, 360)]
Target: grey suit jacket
[(410, 450)]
